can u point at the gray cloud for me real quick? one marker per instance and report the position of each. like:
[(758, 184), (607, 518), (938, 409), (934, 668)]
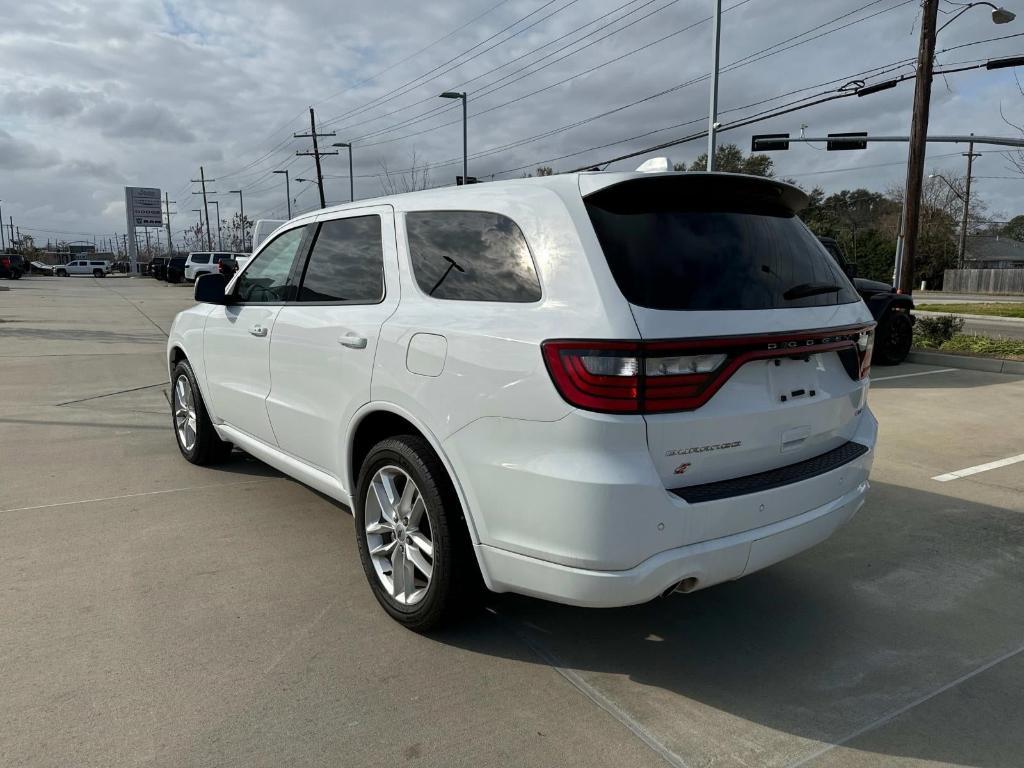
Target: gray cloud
[(155, 90), (17, 154)]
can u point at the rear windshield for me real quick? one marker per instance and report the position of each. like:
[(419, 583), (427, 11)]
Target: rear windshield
[(712, 244), (200, 258)]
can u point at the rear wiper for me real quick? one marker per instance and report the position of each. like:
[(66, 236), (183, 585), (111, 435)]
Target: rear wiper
[(804, 290)]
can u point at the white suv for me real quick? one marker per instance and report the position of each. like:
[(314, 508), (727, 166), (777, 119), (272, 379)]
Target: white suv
[(593, 388), (201, 263)]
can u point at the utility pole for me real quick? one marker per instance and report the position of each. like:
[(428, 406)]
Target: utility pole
[(918, 139), (167, 211), (10, 220), (3, 247), (316, 153), (241, 212), (716, 41), (148, 252), (970, 154), (202, 180)]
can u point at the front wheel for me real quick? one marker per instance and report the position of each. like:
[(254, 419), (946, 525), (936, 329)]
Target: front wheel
[(97, 273), (413, 542), (197, 439), (62, 273), (893, 338)]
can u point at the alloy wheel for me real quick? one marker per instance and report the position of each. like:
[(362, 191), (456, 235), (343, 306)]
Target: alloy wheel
[(185, 413), (398, 535)]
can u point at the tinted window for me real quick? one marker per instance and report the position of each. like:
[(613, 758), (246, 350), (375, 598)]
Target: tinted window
[(200, 258), (712, 244), (347, 262), (471, 255), (266, 279)]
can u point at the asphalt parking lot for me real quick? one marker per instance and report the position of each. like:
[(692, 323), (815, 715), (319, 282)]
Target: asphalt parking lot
[(156, 613)]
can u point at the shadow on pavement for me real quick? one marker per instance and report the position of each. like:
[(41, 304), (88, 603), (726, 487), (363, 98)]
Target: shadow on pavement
[(919, 590)]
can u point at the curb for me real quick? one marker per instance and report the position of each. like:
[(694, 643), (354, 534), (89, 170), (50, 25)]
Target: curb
[(996, 318), (989, 364)]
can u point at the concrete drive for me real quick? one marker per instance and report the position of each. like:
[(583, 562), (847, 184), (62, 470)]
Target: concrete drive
[(154, 613)]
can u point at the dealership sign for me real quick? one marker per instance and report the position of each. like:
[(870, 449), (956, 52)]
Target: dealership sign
[(143, 206)]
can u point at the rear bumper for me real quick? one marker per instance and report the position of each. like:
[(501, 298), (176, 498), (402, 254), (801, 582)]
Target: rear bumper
[(706, 563)]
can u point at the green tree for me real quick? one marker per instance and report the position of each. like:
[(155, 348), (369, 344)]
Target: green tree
[(1015, 228), (730, 159)]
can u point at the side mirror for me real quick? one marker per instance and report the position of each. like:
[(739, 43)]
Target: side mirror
[(210, 288)]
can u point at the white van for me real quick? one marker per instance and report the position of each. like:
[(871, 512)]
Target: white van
[(593, 388), (262, 229)]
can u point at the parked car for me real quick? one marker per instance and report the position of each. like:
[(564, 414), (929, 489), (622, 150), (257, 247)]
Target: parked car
[(40, 268), (174, 271), (891, 310), (205, 263), (262, 229), (593, 388), (12, 266), (158, 267), (93, 267), (228, 267)]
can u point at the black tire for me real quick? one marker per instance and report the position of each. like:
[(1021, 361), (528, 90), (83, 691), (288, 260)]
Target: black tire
[(62, 273), (207, 448), (15, 275), (97, 273), (893, 338), (455, 586)]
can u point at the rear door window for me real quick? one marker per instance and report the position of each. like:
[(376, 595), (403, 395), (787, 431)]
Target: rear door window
[(346, 263), (712, 244), (200, 258), (471, 256)]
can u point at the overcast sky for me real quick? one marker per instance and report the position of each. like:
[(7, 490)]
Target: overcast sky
[(95, 96)]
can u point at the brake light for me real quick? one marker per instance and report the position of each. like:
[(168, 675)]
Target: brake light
[(666, 376), (6, 263)]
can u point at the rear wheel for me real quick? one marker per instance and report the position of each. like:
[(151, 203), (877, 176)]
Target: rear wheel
[(413, 543), (197, 439), (97, 273), (62, 273), (893, 338)]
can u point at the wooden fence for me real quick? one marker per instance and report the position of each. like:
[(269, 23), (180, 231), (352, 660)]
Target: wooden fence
[(983, 281)]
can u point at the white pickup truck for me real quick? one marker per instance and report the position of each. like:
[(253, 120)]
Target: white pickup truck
[(93, 267)]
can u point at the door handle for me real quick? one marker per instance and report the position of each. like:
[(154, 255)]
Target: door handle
[(257, 330), (352, 341)]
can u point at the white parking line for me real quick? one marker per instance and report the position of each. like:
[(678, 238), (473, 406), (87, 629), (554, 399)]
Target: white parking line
[(908, 375), (979, 468)]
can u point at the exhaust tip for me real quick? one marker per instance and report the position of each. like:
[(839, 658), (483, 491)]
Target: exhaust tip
[(686, 585)]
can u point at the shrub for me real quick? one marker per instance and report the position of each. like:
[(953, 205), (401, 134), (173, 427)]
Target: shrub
[(936, 331)]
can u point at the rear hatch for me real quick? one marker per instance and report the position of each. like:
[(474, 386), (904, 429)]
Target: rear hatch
[(755, 344)]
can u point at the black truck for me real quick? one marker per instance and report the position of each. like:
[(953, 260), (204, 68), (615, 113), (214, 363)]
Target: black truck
[(891, 310)]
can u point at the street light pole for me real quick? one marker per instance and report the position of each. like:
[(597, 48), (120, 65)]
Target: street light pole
[(3, 247), (351, 178), (241, 211), (716, 40), (220, 241), (465, 144), (287, 191)]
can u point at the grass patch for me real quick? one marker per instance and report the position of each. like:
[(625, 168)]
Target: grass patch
[(1005, 309), (971, 344)]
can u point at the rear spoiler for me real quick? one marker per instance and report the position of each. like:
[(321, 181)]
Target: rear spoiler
[(699, 185)]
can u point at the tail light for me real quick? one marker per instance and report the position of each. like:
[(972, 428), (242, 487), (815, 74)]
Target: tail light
[(665, 376), (5, 263)]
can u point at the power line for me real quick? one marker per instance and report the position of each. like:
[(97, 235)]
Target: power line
[(742, 62)]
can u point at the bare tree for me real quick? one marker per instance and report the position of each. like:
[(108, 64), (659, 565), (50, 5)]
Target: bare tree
[(416, 177)]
